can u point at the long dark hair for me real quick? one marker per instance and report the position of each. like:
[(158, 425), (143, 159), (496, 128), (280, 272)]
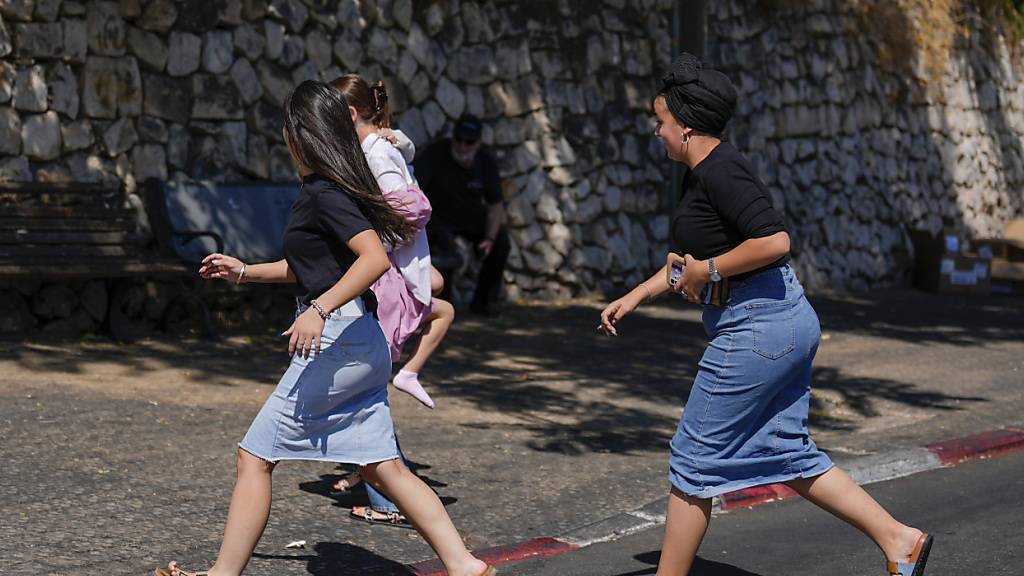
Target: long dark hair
[(369, 100), (322, 136)]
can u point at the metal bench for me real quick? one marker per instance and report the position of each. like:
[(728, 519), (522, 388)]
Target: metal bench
[(192, 218), (68, 231)]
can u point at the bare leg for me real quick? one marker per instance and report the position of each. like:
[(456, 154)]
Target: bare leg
[(685, 526), (434, 328), (247, 515), (424, 510), (436, 282), (837, 493)]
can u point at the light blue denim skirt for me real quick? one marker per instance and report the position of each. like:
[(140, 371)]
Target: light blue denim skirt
[(332, 407), (745, 422)]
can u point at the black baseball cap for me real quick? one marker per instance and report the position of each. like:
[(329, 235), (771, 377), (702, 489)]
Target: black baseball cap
[(467, 128)]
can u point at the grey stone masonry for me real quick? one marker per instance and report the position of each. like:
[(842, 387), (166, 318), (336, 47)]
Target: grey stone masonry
[(30, 89), (183, 53), (856, 142), (40, 136), (858, 149)]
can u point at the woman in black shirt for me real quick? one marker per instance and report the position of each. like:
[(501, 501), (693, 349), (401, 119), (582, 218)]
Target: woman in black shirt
[(745, 422), (331, 404)]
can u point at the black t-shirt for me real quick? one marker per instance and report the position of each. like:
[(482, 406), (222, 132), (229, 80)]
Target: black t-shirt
[(323, 219), (723, 204), (459, 196)]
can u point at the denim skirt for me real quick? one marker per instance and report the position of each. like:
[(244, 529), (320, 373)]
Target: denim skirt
[(332, 407), (745, 422)]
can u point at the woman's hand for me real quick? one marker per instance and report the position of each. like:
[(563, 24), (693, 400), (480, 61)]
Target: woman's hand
[(695, 277), (221, 267), (305, 334), (616, 311)]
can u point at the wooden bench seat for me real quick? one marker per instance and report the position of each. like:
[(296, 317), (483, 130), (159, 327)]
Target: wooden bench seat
[(52, 231)]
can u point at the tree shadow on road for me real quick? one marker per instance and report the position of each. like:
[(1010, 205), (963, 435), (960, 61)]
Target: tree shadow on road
[(579, 392), (861, 395), (545, 369), (922, 318)]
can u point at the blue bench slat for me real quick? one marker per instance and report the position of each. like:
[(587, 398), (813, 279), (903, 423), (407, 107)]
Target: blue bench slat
[(250, 217)]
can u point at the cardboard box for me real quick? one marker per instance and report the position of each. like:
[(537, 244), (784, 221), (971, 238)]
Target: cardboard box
[(1003, 269), (940, 267), (964, 274), (1013, 237), (991, 248), (1009, 247)]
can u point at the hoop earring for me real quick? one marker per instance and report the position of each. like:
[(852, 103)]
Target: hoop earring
[(684, 139)]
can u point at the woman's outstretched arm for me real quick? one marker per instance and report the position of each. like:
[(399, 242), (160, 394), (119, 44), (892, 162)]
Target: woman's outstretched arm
[(269, 273), (223, 267), (644, 291)]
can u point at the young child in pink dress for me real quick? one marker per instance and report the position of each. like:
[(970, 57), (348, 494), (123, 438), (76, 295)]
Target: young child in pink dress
[(405, 292)]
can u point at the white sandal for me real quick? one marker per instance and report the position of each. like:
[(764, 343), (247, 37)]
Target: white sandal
[(173, 570), (347, 483)]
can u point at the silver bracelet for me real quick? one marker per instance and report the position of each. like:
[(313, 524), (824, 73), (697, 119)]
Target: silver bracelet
[(240, 274), (324, 315)]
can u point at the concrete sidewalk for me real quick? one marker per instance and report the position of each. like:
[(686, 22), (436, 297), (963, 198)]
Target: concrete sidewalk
[(121, 458)]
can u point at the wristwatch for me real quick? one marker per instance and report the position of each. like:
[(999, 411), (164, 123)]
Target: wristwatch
[(714, 276)]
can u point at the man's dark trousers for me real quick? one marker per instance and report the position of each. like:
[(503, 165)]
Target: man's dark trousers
[(490, 278)]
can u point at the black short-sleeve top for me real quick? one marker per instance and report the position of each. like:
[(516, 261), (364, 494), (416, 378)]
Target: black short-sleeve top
[(723, 204), (459, 195), (323, 219)]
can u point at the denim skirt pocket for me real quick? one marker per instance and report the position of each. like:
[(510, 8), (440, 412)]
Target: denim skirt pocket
[(774, 328)]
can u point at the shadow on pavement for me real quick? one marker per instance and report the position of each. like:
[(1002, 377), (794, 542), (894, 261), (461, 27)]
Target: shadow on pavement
[(860, 395), (923, 318), (701, 567), (341, 559), (655, 359), (547, 371), (357, 496)]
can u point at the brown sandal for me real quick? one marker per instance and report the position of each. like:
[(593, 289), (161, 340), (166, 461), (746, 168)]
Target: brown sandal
[(918, 559)]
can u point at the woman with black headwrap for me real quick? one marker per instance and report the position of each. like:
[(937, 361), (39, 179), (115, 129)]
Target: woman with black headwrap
[(745, 422)]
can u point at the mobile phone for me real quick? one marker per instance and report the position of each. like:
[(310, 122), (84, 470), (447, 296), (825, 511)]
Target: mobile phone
[(676, 267)]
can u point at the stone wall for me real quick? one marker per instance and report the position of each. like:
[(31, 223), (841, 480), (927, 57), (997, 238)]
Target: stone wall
[(860, 132), (136, 89), (868, 119)]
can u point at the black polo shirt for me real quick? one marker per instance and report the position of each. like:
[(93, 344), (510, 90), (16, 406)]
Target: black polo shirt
[(323, 219), (459, 196)]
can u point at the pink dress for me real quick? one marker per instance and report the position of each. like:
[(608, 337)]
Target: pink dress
[(403, 292)]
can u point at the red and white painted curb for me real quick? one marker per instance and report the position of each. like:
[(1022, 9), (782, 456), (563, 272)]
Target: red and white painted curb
[(866, 470), (536, 548)]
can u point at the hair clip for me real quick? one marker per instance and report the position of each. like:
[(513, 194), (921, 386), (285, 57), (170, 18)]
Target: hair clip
[(380, 97)]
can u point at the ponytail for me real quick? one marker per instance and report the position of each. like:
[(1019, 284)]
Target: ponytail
[(370, 102), (381, 116)]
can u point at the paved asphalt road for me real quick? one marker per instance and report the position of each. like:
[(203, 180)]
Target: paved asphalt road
[(974, 511)]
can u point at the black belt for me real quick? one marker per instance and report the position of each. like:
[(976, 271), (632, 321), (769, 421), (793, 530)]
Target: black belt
[(752, 273)]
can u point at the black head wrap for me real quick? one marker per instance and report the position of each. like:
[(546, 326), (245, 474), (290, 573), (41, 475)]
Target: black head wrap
[(699, 97)]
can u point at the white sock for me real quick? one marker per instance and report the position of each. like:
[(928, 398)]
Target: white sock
[(409, 383)]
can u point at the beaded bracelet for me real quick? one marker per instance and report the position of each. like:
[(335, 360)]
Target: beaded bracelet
[(324, 315)]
